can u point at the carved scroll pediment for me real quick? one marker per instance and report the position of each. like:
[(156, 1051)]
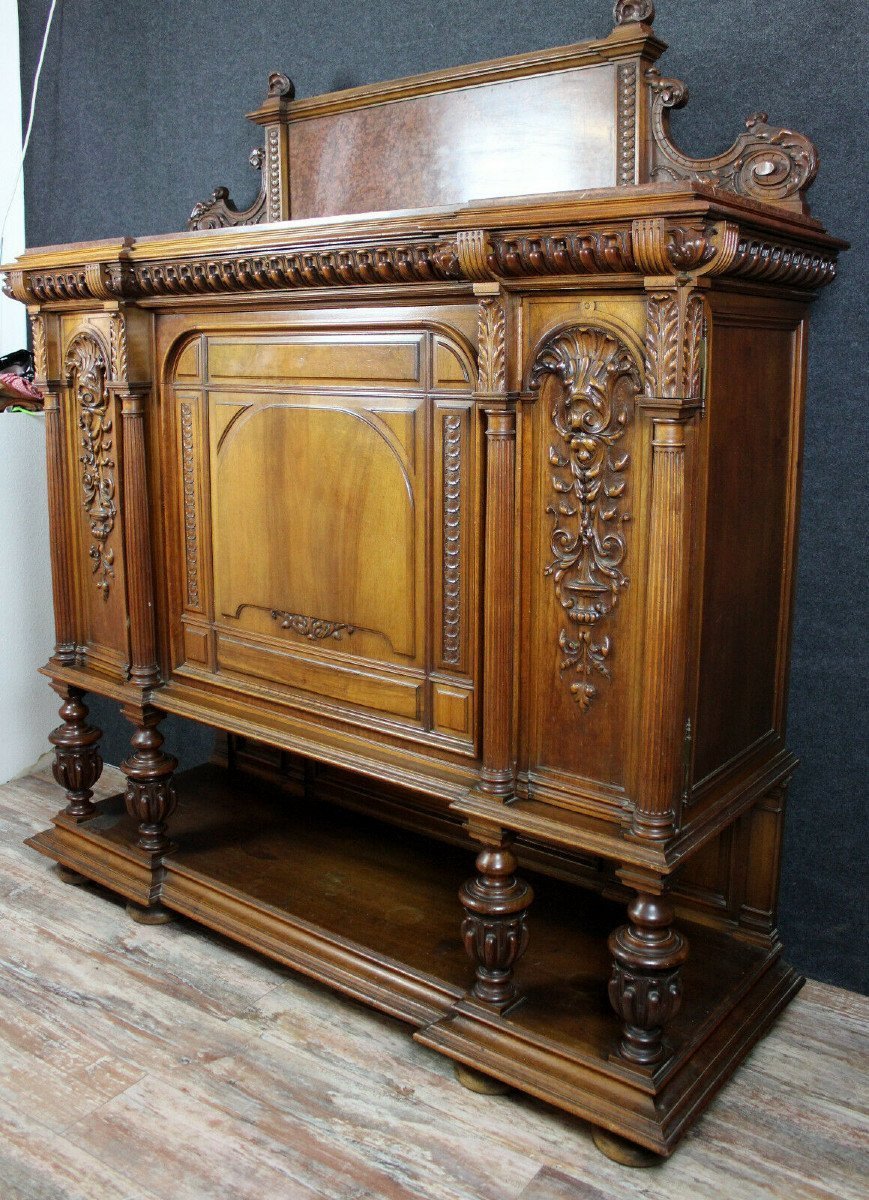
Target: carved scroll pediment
[(590, 412), (764, 163), (220, 211)]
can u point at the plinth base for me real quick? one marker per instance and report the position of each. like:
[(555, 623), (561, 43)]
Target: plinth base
[(372, 910)]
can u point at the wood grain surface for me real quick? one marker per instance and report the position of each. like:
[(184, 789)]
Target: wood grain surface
[(140, 1062)]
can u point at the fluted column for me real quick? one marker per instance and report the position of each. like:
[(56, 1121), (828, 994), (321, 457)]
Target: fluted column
[(143, 640), (59, 542), (662, 727), (673, 400), (499, 411)]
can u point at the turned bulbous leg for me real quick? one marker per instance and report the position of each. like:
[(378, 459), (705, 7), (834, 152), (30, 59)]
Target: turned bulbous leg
[(150, 797), (646, 988), (77, 761), (494, 931)]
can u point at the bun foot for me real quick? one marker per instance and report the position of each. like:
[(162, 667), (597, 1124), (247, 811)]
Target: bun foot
[(620, 1150), (67, 875), (153, 914), (476, 1081)]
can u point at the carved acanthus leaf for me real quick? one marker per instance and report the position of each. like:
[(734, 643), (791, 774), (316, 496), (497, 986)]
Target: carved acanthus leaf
[(590, 412), (118, 346), (86, 372), (40, 360), (492, 351), (764, 163), (674, 345)]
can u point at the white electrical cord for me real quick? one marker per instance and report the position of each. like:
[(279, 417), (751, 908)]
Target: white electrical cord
[(29, 124)]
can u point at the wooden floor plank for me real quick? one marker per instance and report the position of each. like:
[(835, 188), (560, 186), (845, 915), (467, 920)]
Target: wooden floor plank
[(143, 1063), (35, 1164)]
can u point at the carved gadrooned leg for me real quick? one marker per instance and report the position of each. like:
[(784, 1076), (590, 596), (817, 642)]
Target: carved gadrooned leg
[(150, 797), (645, 988), (77, 761), (494, 930)]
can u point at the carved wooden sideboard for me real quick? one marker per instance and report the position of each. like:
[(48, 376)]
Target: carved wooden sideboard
[(472, 529)]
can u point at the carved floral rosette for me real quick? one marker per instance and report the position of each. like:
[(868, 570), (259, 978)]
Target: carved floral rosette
[(590, 414)]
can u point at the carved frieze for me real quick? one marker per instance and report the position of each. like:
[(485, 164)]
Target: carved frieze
[(650, 246), (626, 121), (779, 263), (86, 372), (590, 412), (561, 253), (188, 472), (452, 538), (273, 174), (409, 263)]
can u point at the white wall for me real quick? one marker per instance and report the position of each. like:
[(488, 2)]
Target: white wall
[(28, 707)]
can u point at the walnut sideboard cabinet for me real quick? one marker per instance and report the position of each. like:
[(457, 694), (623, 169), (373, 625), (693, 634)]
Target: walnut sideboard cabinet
[(456, 483)]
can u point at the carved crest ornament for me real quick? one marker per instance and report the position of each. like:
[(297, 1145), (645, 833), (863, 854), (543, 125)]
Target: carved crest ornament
[(590, 413)]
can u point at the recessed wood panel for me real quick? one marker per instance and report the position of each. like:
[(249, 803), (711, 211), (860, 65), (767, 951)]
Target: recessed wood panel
[(306, 499), (196, 645), (582, 573), (188, 363), (322, 359), (399, 697), (452, 709), (749, 415), (451, 370), (544, 133)]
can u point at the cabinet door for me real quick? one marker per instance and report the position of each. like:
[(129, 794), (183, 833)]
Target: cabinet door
[(327, 482)]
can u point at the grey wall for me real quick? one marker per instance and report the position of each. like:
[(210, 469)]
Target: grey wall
[(140, 115)]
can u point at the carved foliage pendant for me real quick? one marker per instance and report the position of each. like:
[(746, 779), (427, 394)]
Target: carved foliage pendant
[(591, 408), (86, 370)]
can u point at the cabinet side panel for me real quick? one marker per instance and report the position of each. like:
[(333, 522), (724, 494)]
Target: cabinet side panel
[(753, 444)]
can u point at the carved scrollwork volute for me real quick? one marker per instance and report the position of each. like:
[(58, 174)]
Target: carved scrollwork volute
[(764, 163), (86, 369), (591, 407), (220, 211), (272, 160), (628, 12)]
